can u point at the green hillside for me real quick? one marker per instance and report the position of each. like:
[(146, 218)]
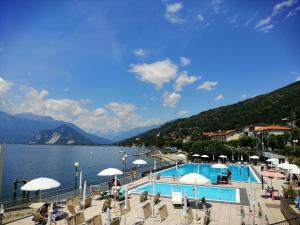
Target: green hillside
[(269, 108)]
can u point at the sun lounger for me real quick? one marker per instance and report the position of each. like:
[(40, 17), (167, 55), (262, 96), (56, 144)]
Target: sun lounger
[(116, 221), (71, 220), (177, 199), (163, 212), (122, 205), (156, 199), (71, 209), (87, 202), (190, 216), (89, 222), (38, 218), (147, 211), (79, 218), (106, 205), (144, 196), (207, 217), (97, 220)]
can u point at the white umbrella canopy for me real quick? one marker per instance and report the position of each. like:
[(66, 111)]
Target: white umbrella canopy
[(139, 162), (219, 166), (295, 171), (194, 178), (40, 184), (271, 160), (204, 156), (181, 156), (196, 155), (110, 172), (222, 156), (287, 166), (254, 157)]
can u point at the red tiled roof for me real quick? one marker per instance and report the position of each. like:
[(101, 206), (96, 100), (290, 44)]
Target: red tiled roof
[(217, 133), (272, 127)]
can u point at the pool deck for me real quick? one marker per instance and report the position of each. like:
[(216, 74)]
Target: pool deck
[(221, 212)]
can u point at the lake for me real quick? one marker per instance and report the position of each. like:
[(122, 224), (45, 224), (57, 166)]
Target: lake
[(57, 162)]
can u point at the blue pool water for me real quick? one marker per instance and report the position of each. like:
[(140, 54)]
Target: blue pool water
[(210, 193), (239, 172)]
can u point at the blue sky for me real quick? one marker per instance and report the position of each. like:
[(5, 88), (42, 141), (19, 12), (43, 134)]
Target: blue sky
[(109, 66)]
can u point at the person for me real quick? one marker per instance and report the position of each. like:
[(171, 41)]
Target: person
[(229, 176), (44, 211), (24, 182), (15, 187)]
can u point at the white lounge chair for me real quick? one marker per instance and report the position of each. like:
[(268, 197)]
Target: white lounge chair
[(177, 199)]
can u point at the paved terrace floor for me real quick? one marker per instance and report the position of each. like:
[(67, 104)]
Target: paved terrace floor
[(221, 213)]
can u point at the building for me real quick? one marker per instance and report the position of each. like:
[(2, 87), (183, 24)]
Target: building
[(272, 129), (225, 135)]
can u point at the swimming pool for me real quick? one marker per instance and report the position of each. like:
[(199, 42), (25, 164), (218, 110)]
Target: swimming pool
[(210, 193), (239, 172)]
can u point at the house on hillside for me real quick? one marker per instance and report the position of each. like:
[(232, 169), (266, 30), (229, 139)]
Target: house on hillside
[(271, 129), (225, 135)]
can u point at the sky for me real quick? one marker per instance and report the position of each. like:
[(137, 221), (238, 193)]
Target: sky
[(110, 66)]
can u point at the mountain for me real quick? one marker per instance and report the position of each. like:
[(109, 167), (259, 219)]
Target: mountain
[(132, 132), (269, 108), (62, 135), (20, 128)]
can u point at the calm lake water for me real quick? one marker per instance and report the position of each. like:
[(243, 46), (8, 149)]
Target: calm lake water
[(57, 162)]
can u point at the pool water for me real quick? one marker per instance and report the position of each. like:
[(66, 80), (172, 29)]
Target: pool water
[(239, 172), (210, 193)]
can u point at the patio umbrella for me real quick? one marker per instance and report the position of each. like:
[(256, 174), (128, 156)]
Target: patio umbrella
[(222, 156), (196, 155), (84, 194), (139, 162), (204, 156), (271, 160), (49, 219), (295, 171), (254, 157), (107, 217), (272, 175), (40, 184), (194, 178), (126, 203), (219, 166), (110, 172), (185, 206), (181, 156)]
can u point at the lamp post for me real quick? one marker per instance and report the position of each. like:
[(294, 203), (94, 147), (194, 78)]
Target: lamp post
[(76, 165), (295, 141), (123, 160)]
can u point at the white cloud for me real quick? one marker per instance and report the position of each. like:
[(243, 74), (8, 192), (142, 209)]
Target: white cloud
[(5, 86), (219, 97), (184, 61), (172, 13), (140, 52), (183, 113), (244, 96), (297, 74), (298, 78), (170, 99), (216, 5), (265, 24), (112, 117), (184, 79), (293, 12), (208, 85), (158, 73), (200, 18)]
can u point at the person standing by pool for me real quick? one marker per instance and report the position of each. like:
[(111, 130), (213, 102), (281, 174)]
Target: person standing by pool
[(229, 176)]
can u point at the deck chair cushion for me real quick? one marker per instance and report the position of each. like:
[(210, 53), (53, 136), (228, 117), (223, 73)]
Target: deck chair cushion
[(79, 218), (71, 220), (97, 220), (163, 212), (147, 210)]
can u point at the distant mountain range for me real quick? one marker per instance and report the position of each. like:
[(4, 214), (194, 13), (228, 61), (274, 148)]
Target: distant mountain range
[(269, 108), (62, 135), (27, 127)]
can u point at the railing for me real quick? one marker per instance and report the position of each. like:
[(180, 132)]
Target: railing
[(62, 194), (293, 221)]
